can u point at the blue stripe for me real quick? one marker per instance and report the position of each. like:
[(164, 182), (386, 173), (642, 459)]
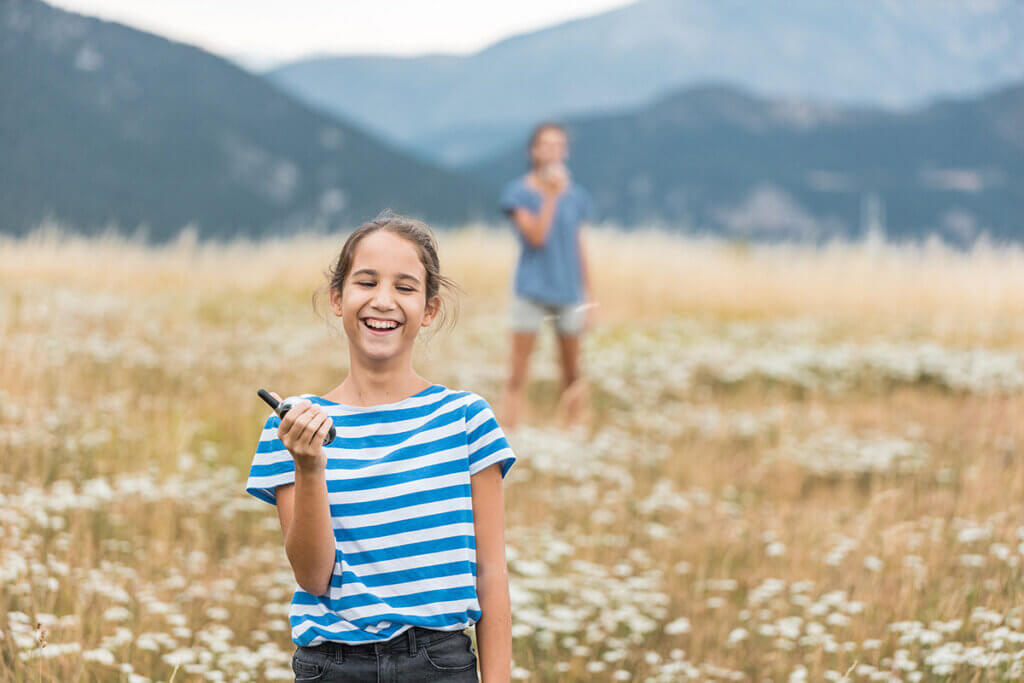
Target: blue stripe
[(488, 426), (399, 454), (498, 444), (437, 621), (403, 525), (381, 480), (271, 469), (474, 408), (402, 501), (404, 575), (405, 453), (373, 440), (387, 440), (262, 494), (349, 636), (393, 601), (410, 550), (270, 445)]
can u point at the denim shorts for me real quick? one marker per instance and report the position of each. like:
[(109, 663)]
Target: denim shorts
[(419, 654), (528, 314)]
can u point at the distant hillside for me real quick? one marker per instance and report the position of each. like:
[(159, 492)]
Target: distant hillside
[(866, 52), (719, 159), (102, 124)]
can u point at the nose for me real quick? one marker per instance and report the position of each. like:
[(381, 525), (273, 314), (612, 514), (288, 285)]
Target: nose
[(382, 299)]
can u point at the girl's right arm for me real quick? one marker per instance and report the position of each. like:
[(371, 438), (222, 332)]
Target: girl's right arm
[(302, 507)]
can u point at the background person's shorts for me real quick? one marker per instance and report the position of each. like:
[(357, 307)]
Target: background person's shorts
[(528, 314)]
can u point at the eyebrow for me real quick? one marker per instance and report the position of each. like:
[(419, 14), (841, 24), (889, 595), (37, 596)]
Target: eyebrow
[(374, 273)]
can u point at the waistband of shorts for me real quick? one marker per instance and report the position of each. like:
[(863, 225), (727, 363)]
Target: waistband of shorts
[(407, 641)]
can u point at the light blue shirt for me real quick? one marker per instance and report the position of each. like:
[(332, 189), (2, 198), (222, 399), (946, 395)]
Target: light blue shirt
[(551, 273)]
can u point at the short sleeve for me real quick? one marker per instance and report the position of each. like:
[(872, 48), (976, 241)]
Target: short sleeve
[(272, 466), (487, 443), (517, 195)]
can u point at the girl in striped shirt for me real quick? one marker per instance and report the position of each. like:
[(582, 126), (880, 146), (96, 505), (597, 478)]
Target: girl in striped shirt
[(395, 530)]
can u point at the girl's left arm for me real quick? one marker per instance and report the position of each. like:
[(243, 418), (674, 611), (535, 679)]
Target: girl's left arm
[(494, 629)]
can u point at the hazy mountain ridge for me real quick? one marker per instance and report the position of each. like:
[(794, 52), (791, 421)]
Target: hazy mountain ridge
[(103, 124), (718, 159), (877, 52)]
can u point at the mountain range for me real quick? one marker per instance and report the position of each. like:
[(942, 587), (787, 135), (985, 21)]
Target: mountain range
[(718, 159), (461, 109), (101, 125)]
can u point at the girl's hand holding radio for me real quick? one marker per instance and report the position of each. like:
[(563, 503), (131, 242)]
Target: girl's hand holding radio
[(303, 430)]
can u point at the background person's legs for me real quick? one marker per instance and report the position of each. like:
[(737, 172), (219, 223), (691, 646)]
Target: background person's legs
[(574, 401), (515, 387), (572, 404)]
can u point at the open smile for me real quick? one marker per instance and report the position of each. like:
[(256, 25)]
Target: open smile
[(381, 326)]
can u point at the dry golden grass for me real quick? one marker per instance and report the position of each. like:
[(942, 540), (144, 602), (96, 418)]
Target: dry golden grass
[(803, 462)]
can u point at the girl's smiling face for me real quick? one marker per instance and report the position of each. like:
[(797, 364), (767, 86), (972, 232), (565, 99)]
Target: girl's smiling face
[(383, 302)]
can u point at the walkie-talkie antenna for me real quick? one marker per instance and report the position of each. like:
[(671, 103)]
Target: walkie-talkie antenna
[(282, 407), (270, 400)]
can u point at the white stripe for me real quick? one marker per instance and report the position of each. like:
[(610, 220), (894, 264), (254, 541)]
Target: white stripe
[(395, 466), (478, 419), (411, 562), (417, 436), (492, 459), (270, 482), (488, 438), (412, 512), (370, 611), (396, 427), (352, 588), (335, 450), (340, 628), (270, 457), (394, 540)]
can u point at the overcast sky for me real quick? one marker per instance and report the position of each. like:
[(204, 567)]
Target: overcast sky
[(261, 33)]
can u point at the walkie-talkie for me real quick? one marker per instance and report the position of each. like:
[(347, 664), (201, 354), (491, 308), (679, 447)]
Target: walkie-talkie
[(287, 404)]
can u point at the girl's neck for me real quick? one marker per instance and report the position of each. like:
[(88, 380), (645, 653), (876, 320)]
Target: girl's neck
[(366, 386)]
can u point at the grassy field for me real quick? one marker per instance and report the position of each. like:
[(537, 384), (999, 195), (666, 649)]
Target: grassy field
[(802, 464)]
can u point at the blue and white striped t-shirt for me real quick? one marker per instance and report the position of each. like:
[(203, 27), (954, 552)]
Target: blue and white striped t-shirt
[(398, 486)]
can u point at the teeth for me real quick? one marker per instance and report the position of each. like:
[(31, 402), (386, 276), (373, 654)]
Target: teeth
[(381, 325)]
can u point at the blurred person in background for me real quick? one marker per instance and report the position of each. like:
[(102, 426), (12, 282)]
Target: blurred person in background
[(551, 282)]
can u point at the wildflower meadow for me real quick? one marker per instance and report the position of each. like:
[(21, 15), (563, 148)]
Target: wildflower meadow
[(798, 463)]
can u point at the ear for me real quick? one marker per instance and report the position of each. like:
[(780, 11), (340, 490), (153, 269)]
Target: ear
[(431, 311), (336, 302)]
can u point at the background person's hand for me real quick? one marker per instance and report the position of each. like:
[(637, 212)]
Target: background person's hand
[(553, 178), (302, 431)]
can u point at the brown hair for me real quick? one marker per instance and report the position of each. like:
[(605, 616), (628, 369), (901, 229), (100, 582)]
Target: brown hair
[(416, 232)]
